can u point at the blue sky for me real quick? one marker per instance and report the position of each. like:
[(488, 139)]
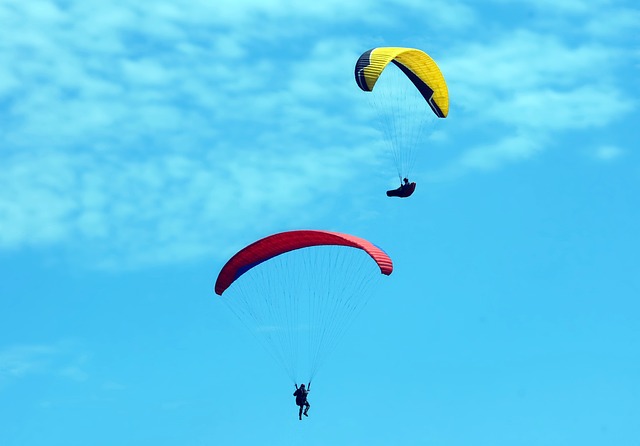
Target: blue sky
[(143, 144)]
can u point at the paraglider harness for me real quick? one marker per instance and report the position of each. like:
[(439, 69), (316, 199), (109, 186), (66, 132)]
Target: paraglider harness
[(301, 394), (405, 190), (301, 399)]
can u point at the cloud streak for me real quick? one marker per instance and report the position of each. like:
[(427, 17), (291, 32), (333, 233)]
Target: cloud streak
[(161, 154), (528, 86), (26, 360), (136, 136), (607, 153)]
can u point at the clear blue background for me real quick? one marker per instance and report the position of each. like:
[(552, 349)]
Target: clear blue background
[(143, 143)]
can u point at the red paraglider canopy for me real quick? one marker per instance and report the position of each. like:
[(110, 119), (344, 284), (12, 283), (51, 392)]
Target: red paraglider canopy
[(276, 244)]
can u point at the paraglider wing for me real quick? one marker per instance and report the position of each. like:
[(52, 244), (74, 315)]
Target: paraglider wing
[(299, 291), (284, 242), (419, 67)]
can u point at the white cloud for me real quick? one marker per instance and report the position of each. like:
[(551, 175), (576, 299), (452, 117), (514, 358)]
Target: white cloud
[(128, 129), (57, 359), (491, 156), (623, 22), (579, 108), (607, 153), (441, 13), (161, 159), (113, 386), (168, 208), (511, 149), (74, 373), (522, 60), (34, 204), (564, 6), (19, 361), (527, 86)]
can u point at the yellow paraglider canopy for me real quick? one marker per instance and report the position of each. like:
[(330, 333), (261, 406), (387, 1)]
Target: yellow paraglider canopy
[(415, 64)]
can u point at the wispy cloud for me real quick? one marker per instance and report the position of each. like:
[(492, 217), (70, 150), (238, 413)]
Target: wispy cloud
[(531, 85), (113, 386), (502, 74), (19, 361), (58, 359), (623, 22), (191, 204), (136, 135), (566, 6), (607, 153), (151, 146)]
